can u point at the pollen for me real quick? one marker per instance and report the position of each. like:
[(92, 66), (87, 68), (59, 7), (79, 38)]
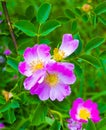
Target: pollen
[(51, 80), (36, 65), (58, 54), (84, 114)]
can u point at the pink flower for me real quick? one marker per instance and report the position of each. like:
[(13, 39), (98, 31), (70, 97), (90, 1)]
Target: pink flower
[(7, 52), (35, 59), (74, 125), (68, 46), (53, 82), (1, 126), (84, 110)]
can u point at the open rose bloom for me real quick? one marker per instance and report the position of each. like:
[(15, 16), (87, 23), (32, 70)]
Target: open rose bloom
[(36, 59), (83, 110), (46, 77), (54, 82)]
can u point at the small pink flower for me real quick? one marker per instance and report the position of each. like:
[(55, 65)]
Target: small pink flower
[(68, 46), (35, 59), (1, 126), (74, 125), (52, 83), (84, 110), (7, 52)]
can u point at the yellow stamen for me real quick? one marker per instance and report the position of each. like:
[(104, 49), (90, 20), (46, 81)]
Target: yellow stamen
[(58, 54), (51, 80), (36, 65), (84, 114)]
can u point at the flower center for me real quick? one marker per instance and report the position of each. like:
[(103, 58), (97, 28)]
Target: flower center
[(36, 65), (58, 54), (84, 114), (51, 79)]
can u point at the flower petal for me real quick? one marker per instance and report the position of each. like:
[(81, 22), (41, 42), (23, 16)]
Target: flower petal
[(30, 54), (43, 52), (32, 80), (66, 75), (59, 92), (69, 45), (73, 112), (42, 90), (24, 69)]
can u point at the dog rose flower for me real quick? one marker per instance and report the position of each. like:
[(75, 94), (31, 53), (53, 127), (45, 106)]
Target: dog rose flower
[(52, 83), (68, 46), (35, 59), (84, 110)]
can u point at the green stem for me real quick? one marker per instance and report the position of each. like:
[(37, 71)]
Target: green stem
[(59, 114), (38, 34)]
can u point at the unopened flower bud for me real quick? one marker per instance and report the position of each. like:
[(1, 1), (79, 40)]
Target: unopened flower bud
[(86, 7), (7, 95)]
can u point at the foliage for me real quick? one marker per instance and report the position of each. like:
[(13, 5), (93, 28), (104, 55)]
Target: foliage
[(45, 21)]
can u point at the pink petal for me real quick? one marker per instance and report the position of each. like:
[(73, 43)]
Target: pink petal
[(66, 38), (73, 112), (68, 65), (59, 92), (24, 69), (30, 54), (44, 52), (66, 74), (32, 80), (42, 90), (69, 45)]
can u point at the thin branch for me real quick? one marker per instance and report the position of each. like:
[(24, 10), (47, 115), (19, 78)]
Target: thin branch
[(9, 24)]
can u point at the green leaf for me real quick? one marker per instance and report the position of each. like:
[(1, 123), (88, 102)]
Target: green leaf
[(61, 106), (74, 26), (27, 27), (39, 114), (30, 12), (69, 13), (63, 19), (79, 49), (98, 95), (94, 20), (78, 69), (48, 27), (103, 55), (5, 107), (101, 8), (78, 11), (10, 116), (43, 13), (85, 17), (102, 108), (91, 60), (2, 100), (93, 43), (101, 124), (90, 125), (29, 99), (14, 104), (102, 20), (12, 62), (49, 120), (56, 125)]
